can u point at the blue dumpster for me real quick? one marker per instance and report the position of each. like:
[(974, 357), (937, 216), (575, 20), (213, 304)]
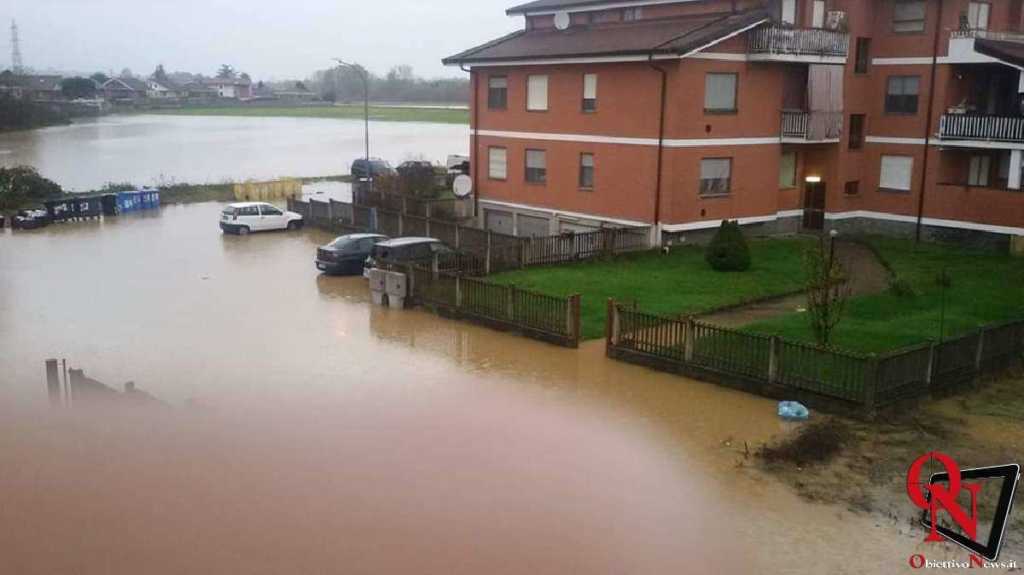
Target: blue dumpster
[(127, 201)]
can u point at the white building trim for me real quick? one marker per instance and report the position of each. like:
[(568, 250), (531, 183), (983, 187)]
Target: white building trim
[(925, 221), (796, 58), (894, 140), (556, 213), (561, 61), (982, 144), (708, 224), (902, 61), (599, 139), (598, 7)]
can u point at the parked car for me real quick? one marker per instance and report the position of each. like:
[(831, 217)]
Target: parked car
[(346, 254), (363, 168), (30, 220), (405, 251), (246, 217)]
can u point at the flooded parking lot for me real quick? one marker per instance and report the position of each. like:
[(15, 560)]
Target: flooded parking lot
[(309, 431)]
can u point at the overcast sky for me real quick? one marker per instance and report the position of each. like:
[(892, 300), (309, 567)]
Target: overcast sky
[(269, 39)]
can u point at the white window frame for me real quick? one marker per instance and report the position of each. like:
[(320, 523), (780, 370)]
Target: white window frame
[(896, 173), (497, 162), (979, 170), (710, 106), (589, 92), (787, 178), (788, 12), (527, 168), (706, 166), (537, 93), (593, 171), (907, 25), (978, 14), (818, 14)]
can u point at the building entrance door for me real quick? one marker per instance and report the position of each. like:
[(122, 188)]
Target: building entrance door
[(814, 205)]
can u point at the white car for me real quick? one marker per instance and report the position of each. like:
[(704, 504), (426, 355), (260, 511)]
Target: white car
[(246, 217)]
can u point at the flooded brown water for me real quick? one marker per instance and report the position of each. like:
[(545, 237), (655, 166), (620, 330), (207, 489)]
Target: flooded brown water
[(326, 435), (154, 149)]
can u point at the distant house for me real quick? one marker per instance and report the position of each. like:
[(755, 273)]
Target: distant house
[(198, 89), (233, 88), (163, 89), (30, 87), (296, 93), (125, 90)]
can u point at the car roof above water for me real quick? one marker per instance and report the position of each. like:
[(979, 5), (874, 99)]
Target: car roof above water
[(361, 236), (248, 204), (397, 242)]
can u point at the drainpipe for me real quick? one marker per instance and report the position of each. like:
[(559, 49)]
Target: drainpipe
[(474, 164), (928, 123), (661, 143)]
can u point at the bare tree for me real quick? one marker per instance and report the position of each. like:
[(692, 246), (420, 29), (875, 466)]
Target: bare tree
[(827, 291)]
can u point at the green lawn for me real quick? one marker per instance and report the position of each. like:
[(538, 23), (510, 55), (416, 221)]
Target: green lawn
[(679, 283), (354, 112), (986, 287)]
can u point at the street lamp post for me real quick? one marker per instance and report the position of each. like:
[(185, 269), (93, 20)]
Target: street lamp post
[(365, 77)]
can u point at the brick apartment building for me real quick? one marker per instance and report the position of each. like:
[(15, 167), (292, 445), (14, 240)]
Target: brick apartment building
[(895, 116)]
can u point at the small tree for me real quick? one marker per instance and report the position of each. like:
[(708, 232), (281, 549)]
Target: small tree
[(827, 291), (226, 72), (77, 87), (22, 185), (728, 250)]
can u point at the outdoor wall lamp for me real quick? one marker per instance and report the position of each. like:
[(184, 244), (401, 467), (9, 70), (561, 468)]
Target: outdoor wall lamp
[(812, 179)]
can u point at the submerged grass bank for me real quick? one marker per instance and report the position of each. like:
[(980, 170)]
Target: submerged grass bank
[(984, 287), (347, 112), (675, 284)]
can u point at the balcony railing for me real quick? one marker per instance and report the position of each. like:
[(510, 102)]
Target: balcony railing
[(988, 35), (812, 126), (976, 127), (798, 41)]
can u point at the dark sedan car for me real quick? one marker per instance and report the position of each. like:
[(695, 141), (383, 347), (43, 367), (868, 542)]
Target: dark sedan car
[(346, 254)]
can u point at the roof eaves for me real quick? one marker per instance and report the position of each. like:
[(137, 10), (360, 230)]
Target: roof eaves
[(466, 55)]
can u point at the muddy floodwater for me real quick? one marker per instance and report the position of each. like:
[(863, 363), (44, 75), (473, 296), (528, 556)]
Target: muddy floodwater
[(154, 149), (307, 431)]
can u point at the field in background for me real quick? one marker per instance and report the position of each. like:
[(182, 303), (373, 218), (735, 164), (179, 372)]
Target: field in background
[(381, 113)]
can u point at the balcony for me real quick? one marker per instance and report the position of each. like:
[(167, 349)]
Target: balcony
[(800, 127), (982, 128), (813, 45)]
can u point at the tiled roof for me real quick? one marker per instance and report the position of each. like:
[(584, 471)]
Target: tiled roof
[(1009, 52), (538, 5), (40, 83), (131, 83), (641, 37)]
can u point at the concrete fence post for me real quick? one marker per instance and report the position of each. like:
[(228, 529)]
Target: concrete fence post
[(53, 382), (773, 359), (427, 223), (401, 223), (510, 302), (980, 351), (929, 370), (870, 386), (458, 292), (434, 266), (458, 240), (330, 212), (574, 319), (487, 261), (691, 328)]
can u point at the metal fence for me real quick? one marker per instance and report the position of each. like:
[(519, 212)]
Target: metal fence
[(485, 251), (804, 41), (778, 367), (550, 318), (981, 127)]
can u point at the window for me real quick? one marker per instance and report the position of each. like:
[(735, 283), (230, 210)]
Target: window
[(537, 93), (630, 14), (908, 16), (787, 170), (852, 188), (536, 166), (715, 176), (497, 92), (980, 169), (895, 173), (818, 14), (720, 93), (590, 92), (248, 211), (977, 15), (788, 12), (901, 94), (587, 171), (860, 65), (270, 211), (497, 163), (856, 131)]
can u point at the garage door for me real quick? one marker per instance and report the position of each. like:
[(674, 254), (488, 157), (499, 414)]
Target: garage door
[(564, 226), (533, 227), (498, 221)]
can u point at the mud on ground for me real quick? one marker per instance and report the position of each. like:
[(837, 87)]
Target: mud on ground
[(868, 475)]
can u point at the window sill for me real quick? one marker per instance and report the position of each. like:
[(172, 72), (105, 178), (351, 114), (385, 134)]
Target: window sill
[(536, 111), (732, 112), (893, 191), (904, 114), (713, 196), (529, 183), (493, 179), (585, 189)]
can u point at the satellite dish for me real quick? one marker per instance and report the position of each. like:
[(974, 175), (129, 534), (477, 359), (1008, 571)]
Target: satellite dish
[(462, 186), (561, 20)]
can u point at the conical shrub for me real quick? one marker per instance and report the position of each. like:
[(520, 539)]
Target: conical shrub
[(728, 250)]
